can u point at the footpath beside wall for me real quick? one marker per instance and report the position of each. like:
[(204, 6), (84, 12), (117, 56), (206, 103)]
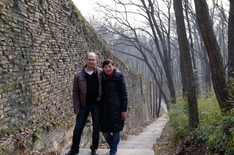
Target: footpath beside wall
[(43, 44)]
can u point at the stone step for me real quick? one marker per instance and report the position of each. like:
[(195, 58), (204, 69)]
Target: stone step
[(140, 144), (142, 138), (136, 144), (120, 152)]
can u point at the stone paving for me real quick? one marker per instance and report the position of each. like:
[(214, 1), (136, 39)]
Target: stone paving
[(140, 144), (136, 144)]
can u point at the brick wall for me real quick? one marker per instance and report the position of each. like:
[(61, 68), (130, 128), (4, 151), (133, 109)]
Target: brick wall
[(43, 44)]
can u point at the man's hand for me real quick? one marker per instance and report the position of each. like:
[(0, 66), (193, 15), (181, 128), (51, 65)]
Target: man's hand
[(77, 113), (123, 115)]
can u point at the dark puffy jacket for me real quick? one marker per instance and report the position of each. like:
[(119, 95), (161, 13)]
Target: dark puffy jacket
[(114, 101)]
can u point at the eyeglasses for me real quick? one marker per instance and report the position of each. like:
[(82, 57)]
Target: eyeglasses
[(91, 60)]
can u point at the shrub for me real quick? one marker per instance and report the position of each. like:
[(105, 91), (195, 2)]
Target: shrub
[(215, 130), (178, 115)]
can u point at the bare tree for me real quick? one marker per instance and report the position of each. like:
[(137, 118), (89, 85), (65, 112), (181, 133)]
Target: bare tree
[(157, 35), (188, 79), (160, 53), (231, 40), (214, 53), (231, 50), (154, 40), (191, 42)]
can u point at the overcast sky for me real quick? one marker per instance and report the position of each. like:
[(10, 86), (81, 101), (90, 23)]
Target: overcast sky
[(85, 6)]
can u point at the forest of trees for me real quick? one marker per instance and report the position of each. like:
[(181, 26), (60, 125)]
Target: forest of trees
[(186, 46)]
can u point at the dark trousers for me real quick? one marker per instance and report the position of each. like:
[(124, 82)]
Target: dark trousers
[(80, 123)]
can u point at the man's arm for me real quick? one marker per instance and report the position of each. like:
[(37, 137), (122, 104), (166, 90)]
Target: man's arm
[(76, 95)]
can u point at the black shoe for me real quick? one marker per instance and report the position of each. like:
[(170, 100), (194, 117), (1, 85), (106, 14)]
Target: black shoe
[(94, 152), (72, 152)]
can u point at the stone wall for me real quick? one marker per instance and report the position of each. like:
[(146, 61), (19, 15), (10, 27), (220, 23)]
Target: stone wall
[(43, 44)]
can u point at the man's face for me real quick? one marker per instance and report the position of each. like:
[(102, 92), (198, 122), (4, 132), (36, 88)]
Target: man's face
[(91, 60)]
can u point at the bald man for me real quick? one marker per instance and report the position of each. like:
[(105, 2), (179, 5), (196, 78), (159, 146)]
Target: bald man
[(86, 97)]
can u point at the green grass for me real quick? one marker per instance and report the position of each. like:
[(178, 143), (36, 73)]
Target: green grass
[(215, 130), (178, 115)]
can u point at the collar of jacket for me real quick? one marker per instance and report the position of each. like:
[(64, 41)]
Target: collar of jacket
[(116, 76), (95, 70)]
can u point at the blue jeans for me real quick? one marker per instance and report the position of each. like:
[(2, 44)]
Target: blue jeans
[(80, 123), (113, 140)]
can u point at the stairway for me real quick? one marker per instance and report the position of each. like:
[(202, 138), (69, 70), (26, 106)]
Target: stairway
[(140, 144)]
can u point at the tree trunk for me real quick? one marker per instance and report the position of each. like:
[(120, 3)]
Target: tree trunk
[(191, 45), (231, 40), (213, 50), (186, 66)]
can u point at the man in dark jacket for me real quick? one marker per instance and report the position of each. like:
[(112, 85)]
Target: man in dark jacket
[(86, 96)]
